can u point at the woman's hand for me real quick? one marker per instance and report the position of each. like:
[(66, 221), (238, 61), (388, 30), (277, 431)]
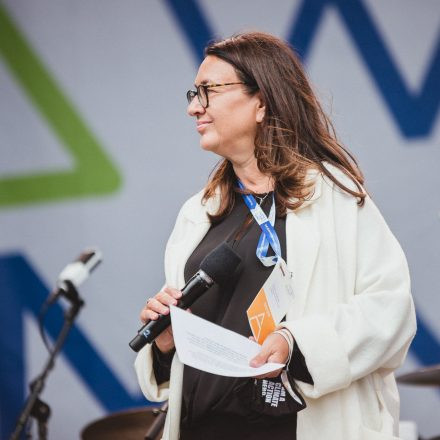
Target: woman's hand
[(160, 305), (274, 349)]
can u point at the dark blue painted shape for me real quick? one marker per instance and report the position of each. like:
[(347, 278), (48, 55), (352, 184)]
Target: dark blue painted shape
[(22, 290), (425, 346), (12, 387), (305, 25), (193, 23), (413, 112)]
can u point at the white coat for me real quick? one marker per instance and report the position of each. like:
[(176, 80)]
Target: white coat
[(352, 316)]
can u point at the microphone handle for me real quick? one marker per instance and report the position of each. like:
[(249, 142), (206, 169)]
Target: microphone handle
[(195, 287)]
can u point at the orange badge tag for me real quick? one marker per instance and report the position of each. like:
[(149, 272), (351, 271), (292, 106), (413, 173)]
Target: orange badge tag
[(271, 303), (260, 317)]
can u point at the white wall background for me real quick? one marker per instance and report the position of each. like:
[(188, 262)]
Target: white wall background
[(126, 67)]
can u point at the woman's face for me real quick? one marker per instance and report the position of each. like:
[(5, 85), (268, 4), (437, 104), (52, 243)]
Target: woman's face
[(228, 126)]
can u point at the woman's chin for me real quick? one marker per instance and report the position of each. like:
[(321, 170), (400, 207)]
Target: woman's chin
[(207, 145)]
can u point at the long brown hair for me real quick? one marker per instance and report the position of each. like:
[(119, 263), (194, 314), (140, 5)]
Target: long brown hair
[(295, 134)]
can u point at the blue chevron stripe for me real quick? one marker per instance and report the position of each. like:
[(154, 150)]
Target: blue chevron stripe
[(193, 24), (22, 290), (414, 113)]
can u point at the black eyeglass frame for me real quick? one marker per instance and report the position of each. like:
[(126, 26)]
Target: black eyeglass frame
[(202, 91)]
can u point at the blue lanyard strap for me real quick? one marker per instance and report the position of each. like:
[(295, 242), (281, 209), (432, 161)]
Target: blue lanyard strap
[(268, 235)]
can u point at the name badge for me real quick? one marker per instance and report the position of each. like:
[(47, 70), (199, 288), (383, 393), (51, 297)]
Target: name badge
[(271, 303)]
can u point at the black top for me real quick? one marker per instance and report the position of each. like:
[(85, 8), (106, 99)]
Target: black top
[(211, 402)]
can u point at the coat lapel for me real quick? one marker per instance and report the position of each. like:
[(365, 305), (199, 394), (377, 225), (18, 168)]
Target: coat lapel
[(302, 244)]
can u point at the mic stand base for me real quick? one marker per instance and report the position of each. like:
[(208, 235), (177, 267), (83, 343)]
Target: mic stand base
[(41, 412)]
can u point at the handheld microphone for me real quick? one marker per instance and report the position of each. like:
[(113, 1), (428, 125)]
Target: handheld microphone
[(75, 273), (216, 268)]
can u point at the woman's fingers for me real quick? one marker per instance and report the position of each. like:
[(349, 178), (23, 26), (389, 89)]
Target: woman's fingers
[(270, 375), (160, 306), (148, 315), (175, 293), (262, 357), (274, 349), (160, 303)]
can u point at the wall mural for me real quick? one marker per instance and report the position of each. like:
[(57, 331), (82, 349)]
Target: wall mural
[(104, 192)]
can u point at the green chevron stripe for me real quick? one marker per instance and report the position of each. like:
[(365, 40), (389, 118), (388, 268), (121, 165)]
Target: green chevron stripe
[(93, 173)]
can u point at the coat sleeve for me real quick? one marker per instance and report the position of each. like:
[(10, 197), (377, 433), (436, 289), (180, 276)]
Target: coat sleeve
[(144, 360), (145, 374), (372, 328)]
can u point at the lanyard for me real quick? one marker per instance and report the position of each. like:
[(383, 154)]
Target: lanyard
[(269, 235)]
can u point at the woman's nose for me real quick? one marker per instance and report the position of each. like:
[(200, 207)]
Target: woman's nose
[(194, 107)]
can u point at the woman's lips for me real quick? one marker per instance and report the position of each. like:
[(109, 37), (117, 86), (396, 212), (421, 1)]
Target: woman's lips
[(201, 125)]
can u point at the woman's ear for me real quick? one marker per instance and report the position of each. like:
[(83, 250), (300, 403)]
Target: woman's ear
[(261, 110)]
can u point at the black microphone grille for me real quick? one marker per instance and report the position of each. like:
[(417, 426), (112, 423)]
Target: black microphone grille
[(220, 264)]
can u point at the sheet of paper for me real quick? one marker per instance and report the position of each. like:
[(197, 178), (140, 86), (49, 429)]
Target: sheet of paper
[(211, 348)]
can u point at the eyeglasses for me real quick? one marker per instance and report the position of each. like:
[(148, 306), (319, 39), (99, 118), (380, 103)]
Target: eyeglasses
[(202, 92)]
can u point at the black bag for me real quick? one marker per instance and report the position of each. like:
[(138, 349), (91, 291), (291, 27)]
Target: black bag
[(269, 397)]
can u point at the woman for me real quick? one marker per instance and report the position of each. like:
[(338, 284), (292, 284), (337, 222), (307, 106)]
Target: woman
[(352, 317)]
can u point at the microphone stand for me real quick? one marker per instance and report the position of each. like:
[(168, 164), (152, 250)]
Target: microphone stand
[(34, 406)]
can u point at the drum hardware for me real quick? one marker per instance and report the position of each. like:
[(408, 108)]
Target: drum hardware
[(424, 377), (133, 424), (429, 376), (158, 424)]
